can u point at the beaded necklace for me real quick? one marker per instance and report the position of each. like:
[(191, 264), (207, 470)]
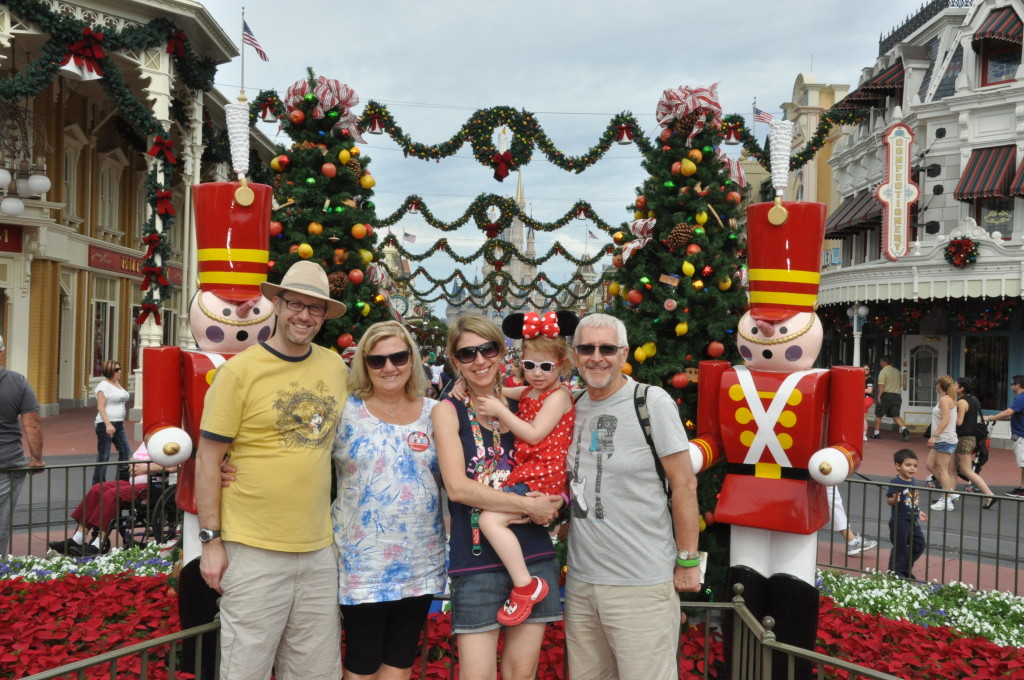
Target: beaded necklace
[(483, 467)]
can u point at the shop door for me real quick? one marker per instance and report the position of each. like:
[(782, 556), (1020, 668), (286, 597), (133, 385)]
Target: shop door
[(924, 359)]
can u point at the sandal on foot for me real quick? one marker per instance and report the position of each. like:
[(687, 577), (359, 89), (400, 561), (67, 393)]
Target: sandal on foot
[(519, 605), (989, 503)]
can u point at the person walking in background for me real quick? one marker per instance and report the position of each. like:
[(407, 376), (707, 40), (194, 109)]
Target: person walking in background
[(968, 420), (908, 542), (869, 396), (855, 544), (890, 399), (112, 408), (943, 442), (19, 411), (1015, 414), (267, 542)]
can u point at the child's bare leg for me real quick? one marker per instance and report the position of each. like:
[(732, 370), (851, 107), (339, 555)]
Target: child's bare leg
[(494, 526)]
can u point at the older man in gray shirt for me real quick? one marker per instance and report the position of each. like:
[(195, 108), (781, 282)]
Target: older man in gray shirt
[(17, 401)]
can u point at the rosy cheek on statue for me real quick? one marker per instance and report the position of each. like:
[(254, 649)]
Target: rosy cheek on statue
[(215, 334), (794, 353), (264, 334), (746, 353)]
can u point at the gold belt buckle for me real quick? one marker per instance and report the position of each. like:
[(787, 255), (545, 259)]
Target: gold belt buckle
[(768, 470)]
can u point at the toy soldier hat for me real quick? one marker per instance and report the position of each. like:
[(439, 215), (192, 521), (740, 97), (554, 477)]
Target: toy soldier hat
[(784, 261), (306, 278), (232, 240)]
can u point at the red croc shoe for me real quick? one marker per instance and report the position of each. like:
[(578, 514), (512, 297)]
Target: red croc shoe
[(518, 606)]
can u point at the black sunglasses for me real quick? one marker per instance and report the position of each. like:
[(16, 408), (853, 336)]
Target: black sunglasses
[(466, 355), (377, 361), (546, 366), (606, 350)]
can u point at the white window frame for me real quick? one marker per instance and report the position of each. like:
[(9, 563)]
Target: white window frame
[(103, 314), (75, 140), (111, 171)]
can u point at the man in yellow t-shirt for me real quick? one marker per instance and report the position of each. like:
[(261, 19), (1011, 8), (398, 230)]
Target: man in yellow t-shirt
[(267, 541), (890, 398)]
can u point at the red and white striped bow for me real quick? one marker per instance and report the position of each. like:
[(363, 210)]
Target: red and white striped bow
[(734, 168), (331, 94), (534, 325), (642, 229), (679, 103)]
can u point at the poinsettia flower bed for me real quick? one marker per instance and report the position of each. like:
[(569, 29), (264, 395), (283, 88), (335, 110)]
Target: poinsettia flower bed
[(50, 623)]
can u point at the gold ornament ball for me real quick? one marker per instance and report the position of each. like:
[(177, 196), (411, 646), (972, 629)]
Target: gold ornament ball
[(682, 328), (627, 368), (695, 155), (701, 523), (687, 167), (365, 311), (378, 298), (640, 355), (613, 288), (650, 349), (638, 215), (305, 251), (618, 237), (358, 230), (701, 217), (650, 214), (366, 255), (344, 156), (698, 285), (725, 284), (688, 269), (314, 228), (367, 181)]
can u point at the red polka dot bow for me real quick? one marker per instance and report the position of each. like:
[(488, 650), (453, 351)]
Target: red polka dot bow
[(534, 325)]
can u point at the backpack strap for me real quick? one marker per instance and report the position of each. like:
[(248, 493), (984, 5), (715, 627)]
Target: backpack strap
[(643, 416)]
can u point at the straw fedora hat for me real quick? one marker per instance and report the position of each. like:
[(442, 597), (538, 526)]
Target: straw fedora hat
[(307, 278)]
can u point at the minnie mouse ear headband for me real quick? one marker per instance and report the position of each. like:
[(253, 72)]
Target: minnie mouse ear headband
[(532, 325)]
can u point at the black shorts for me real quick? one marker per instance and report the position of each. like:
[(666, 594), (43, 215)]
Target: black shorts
[(889, 404), (383, 633)]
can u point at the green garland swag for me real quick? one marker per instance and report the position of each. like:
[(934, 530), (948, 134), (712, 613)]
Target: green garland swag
[(488, 251), (829, 119), (195, 72), (558, 292)]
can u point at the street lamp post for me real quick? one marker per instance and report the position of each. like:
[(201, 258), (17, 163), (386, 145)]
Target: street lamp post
[(858, 315)]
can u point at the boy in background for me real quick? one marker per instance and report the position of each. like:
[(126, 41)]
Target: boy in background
[(908, 541)]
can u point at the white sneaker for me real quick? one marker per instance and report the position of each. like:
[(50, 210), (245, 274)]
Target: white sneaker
[(865, 436), (859, 545), (942, 505), (954, 497)]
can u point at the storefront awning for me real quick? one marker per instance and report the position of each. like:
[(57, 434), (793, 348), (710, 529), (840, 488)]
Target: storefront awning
[(1017, 184), (887, 82), (1003, 25), (839, 217), (858, 209), (988, 173)]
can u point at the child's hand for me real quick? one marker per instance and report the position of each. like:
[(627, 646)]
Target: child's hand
[(923, 517), (490, 406), (458, 391)]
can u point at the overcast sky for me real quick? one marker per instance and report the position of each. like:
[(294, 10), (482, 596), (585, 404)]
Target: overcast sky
[(574, 63)]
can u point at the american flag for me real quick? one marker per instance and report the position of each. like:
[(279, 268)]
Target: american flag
[(591, 234), (249, 39), (409, 238), (762, 116)]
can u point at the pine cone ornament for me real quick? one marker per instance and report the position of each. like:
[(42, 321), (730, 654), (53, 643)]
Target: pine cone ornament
[(684, 125), (337, 282), (680, 236), (355, 167)]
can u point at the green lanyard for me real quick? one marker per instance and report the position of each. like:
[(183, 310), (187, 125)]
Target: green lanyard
[(482, 467)]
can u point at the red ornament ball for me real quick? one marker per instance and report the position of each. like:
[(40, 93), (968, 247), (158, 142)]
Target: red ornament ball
[(707, 271), (635, 297), (680, 380), (665, 135), (641, 202), (329, 170), (692, 249), (715, 349), (345, 340), (297, 117), (276, 228), (733, 198), (617, 260), (670, 305), (356, 276)]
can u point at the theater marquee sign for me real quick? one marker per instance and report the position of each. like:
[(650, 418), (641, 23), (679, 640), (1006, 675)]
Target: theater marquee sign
[(898, 192)]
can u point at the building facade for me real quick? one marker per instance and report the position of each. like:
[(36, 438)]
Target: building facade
[(71, 279), (935, 283)]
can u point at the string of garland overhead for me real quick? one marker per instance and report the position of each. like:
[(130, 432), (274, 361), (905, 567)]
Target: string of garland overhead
[(735, 129), (478, 212), (494, 280), (497, 252), (88, 47)]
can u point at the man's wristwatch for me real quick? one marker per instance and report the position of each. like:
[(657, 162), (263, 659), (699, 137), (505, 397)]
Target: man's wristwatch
[(687, 559), (207, 535)]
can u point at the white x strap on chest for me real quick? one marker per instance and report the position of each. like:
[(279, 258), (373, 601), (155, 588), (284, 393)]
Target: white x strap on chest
[(764, 421)]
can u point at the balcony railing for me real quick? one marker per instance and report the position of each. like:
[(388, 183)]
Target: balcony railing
[(927, 12)]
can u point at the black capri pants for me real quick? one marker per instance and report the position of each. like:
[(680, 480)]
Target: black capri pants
[(383, 633)]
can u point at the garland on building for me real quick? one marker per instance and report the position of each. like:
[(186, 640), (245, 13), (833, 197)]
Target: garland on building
[(736, 128), (961, 252), (71, 38), (984, 314), (480, 207), (497, 252), (498, 283)]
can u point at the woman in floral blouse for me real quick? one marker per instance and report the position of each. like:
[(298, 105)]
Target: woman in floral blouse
[(387, 515)]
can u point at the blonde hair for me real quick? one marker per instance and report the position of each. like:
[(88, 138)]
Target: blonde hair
[(554, 347), (109, 367), (947, 385), (478, 325), (359, 378)]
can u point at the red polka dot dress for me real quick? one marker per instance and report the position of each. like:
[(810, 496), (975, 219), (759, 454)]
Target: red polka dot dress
[(541, 466)]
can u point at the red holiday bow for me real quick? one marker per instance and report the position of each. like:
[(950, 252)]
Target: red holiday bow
[(534, 325), (153, 272), (147, 309), (625, 132), (264, 108), (502, 162), (86, 52), (151, 240), (165, 147), (176, 43), (163, 203)]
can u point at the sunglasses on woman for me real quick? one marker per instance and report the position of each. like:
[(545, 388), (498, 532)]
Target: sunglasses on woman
[(546, 366), (397, 359), (467, 355)]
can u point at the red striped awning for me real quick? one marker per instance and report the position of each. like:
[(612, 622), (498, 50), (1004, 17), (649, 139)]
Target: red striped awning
[(839, 218), (1002, 24), (855, 211), (889, 80), (988, 173), (1017, 184)]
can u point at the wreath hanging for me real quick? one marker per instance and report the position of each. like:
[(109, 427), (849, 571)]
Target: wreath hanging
[(961, 252)]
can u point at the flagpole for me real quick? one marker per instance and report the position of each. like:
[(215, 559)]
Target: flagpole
[(242, 52), (753, 118)]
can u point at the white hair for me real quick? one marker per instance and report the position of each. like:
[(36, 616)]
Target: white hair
[(602, 321)]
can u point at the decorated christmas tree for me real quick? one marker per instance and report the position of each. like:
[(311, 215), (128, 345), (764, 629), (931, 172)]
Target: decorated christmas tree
[(322, 189), (678, 282)]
